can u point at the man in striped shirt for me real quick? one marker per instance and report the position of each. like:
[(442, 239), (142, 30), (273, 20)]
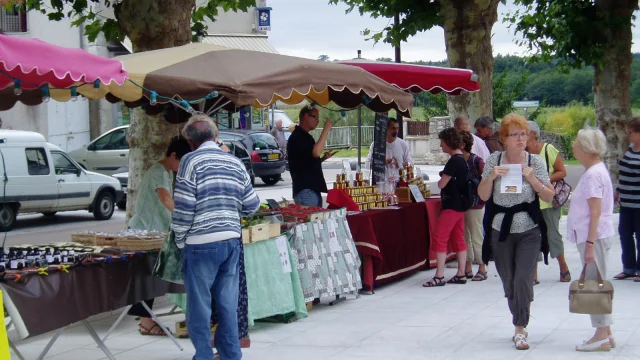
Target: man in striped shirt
[(628, 194), (213, 190)]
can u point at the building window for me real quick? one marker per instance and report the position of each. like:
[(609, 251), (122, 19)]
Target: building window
[(13, 20), (37, 162)]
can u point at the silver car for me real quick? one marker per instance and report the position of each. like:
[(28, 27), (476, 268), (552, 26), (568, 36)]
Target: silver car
[(105, 154)]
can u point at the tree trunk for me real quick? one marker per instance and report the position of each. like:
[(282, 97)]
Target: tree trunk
[(467, 31), (611, 82), (165, 24)]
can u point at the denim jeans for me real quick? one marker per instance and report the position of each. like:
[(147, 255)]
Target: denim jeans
[(213, 267), (308, 197), (628, 226)]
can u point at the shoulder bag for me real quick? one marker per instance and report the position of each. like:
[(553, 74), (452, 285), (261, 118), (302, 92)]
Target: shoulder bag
[(562, 189)]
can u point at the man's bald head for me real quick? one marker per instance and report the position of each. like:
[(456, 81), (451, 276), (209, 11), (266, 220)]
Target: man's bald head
[(461, 123), (199, 129), (279, 123)]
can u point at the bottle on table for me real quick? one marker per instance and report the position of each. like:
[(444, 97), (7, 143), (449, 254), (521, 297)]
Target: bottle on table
[(57, 256), (13, 259), (48, 256)]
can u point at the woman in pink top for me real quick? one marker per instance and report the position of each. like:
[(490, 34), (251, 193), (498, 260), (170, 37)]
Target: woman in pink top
[(589, 224)]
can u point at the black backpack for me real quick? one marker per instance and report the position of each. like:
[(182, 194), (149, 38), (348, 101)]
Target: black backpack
[(473, 181)]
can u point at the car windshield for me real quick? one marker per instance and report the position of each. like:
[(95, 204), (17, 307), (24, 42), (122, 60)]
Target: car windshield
[(262, 141)]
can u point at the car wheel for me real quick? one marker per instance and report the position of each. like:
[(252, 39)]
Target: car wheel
[(49, 213), (104, 206), (270, 180), (122, 204), (8, 215)]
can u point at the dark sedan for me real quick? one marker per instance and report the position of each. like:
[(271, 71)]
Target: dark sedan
[(266, 158)]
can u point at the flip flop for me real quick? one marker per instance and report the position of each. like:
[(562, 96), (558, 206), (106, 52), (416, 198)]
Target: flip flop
[(623, 276), (565, 276), (480, 276), (149, 332)]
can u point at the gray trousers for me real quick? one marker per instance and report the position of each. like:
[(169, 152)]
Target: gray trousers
[(601, 249), (516, 260)]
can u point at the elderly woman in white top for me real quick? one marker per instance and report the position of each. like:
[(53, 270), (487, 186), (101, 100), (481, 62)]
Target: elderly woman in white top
[(590, 224)]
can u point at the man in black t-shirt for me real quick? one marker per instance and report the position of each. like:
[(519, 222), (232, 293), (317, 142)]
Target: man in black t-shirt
[(305, 158)]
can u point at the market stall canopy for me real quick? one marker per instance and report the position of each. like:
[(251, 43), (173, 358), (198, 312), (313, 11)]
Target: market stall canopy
[(33, 68), (418, 78), (216, 75)]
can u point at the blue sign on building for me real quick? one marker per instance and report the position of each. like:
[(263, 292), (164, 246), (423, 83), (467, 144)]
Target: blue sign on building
[(264, 18)]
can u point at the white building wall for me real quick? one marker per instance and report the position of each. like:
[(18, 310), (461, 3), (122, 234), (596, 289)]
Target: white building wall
[(63, 124)]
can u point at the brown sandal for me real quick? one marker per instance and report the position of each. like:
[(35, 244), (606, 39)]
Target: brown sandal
[(149, 332)]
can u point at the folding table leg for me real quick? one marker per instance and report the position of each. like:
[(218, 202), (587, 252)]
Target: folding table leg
[(338, 299), (15, 350), (50, 344), (171, 312), (164, 328), (115, 325), (96, 338)]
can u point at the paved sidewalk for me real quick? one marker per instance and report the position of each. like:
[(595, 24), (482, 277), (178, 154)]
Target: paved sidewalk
[(401, 321)]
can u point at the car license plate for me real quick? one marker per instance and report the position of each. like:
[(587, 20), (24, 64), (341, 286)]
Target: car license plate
[(274, 156)]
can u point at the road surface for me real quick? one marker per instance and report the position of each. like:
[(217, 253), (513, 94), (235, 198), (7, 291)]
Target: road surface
[(38, 229)]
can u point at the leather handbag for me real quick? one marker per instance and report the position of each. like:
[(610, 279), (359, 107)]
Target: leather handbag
[(562, 189), (593, 297)]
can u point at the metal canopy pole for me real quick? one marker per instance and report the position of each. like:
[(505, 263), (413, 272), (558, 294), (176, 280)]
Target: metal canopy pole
[(359, 138)]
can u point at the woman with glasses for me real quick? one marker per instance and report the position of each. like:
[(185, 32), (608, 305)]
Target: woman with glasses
[(628, 194), (517, 232)]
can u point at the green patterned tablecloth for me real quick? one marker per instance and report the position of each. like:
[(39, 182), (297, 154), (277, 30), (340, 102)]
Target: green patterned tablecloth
[(326, 258), (271, 290)]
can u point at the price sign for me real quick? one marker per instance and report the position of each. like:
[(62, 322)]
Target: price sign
[(417, 194), (378, 159)]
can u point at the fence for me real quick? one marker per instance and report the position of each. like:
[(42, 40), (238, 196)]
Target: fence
[(346, 136), (417, 128), (12, 21)]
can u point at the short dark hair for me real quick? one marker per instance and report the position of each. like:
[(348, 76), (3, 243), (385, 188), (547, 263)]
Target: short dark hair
[(178, 145), (392, 120), (634, 124), (304, 111), (451, 137), (467, 141), (484, 122)]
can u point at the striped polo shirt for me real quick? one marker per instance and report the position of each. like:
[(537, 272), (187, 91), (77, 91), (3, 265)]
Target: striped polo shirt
[(629, 186)]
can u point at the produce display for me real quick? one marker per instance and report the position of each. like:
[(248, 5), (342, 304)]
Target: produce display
[(297, 213), (261, 226)]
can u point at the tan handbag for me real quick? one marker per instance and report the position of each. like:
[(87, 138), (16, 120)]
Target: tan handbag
[(593, 297)]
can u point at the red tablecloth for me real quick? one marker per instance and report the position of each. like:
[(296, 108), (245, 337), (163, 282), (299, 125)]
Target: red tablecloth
[(391, 243)]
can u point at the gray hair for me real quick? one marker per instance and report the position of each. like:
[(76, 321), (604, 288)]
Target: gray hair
[(534, 128), (200, 128), (485, 122), (592, 141)]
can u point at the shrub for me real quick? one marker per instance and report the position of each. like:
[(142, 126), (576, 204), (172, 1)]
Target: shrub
[(570, 119)]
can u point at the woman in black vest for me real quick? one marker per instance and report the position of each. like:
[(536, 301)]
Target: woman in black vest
[(517, 232)]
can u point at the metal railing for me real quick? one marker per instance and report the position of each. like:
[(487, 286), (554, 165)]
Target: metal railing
[(346, 136), (417, 128), (12, 21)]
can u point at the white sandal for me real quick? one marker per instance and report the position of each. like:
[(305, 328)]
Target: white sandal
[(602, 345), (521, 342)]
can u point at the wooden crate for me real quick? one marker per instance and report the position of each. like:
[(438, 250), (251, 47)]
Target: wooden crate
[(136, 243), (259, 232), (246, 236), (274, 230), (107, 240), (84, 239), (404, 195)]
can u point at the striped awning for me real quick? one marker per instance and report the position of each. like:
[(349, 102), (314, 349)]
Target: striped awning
[(251, 42)]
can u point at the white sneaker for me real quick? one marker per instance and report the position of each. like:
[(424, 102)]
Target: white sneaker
[(602, 345)]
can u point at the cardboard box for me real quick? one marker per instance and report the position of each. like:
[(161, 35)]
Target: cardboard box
[(259, 232), (404, 195)]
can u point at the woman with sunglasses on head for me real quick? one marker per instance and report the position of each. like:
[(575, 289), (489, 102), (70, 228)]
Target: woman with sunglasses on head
[(516, 232)]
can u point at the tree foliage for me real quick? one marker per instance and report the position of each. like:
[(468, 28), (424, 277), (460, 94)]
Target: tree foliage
[(571, 32), (504, 94), (415, 16), (89, 13)]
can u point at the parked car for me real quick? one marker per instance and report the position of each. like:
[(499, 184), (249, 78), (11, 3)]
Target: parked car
[(105, 154), (43, 178), (266, 158), (275, 115), (236, 148)]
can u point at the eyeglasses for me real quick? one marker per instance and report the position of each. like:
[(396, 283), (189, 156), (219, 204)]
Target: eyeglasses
[(518, 135)]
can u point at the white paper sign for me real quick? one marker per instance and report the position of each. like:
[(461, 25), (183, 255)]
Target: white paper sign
[(512, 182), (281, 242), (332, 228)]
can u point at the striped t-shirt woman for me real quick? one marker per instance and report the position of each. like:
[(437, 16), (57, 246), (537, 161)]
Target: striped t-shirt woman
[(629, 185)]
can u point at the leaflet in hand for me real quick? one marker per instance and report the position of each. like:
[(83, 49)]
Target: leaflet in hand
[(512, 182)]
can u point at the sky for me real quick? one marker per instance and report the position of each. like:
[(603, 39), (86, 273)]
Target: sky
[(310, 28)]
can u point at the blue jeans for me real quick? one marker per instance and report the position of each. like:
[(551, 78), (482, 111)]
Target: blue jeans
[(308, 197), (628, 226), (207, 268)]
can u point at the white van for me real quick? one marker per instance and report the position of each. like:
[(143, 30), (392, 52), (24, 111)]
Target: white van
[(38, 177)]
